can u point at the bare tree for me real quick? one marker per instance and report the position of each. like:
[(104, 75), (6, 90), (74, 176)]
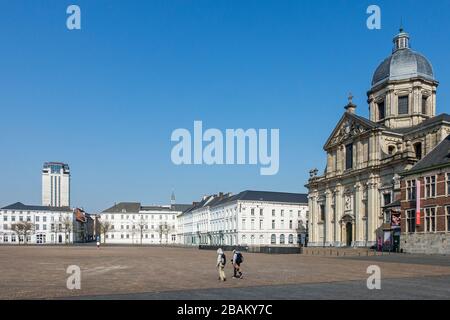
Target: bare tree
[(142, 228), (164, 229), (105, 227), (67, 224), (22, 229)]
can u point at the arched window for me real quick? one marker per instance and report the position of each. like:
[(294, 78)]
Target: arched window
[(282, 239), (391, 150), (291, 239), (273, 239)]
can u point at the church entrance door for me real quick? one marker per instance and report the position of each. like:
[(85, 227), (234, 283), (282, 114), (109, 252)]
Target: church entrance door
[(349, 233)]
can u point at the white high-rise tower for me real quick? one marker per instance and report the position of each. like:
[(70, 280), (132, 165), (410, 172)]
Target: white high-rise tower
[(56, 184)]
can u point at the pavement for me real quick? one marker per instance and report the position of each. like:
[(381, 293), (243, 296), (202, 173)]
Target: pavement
[(426, 288), (186, 273)]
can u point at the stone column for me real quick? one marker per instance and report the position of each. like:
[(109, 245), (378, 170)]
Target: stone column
[(312, 218), (338, 211), (358, 215), (328, 231), (373, 208)]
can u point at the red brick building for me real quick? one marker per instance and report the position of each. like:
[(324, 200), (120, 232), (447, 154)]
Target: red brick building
[(427, 230)]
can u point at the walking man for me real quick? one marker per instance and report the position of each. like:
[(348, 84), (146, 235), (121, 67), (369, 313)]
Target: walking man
[(221, 261), (237, 260)]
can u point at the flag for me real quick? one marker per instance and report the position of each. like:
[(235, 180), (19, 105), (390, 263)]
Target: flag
[(418, 202)]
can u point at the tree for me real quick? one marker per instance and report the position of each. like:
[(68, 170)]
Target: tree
[(105, 227), (67, 224), (23, 229), (164, 229), (142, 228)]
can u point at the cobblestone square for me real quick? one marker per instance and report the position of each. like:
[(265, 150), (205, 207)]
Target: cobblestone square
[(170, 273)]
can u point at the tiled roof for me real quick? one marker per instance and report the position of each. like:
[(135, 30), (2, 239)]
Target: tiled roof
[(24, 207)]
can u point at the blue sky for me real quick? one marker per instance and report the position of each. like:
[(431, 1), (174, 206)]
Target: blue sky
[(106, 99)]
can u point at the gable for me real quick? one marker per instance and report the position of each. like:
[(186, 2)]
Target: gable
[(348, 127)]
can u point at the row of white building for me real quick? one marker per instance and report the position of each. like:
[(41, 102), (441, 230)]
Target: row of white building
[(250, 218), (21, 223), (256, 218)]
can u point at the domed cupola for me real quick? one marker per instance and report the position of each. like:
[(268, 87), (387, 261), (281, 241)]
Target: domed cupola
[(403, 64), (403, 92)]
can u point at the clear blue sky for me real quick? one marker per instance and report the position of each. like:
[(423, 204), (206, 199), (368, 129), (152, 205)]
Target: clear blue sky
[(106, 99)]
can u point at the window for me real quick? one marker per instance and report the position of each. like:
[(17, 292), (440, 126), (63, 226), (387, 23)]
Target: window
[(418, 150), (447, 220), (430, 186), (261, 222), (13, 238), (411, 221), (273, 224), (447, 177), (411, 189), (424, 105), (13, 218), (381, 110), (5, 218), (253, 224), (37, 227), (298, 213), (273, 239), (282, 224), (282, 213), (430, 219), (291, 239), (391, 150), (403, 105), (252, 212), (243, 224), (322, 212), (261, 212), (273, 213), (349, 156), (387, 198), (290, 224), (37, 218), (282, 239)]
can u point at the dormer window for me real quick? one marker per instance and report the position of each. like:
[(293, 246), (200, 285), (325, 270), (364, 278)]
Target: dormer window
[(403, 105), (381, 110)]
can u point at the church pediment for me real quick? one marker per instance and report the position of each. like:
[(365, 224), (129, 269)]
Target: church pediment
[(347, 128)]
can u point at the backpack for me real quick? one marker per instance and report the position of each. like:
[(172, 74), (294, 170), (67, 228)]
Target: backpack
[(239, 258), (223, 259)]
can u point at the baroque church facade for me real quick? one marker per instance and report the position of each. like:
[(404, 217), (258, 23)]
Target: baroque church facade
[(348, 203)]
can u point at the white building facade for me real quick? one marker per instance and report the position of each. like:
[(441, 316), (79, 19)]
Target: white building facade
[(132, 223), (46, 225), (250, 218), (56, 184)]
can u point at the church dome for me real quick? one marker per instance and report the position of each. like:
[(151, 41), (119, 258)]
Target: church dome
[(404, 63)]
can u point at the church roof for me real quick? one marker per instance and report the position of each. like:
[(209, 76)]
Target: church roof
[(403, 63), (439, 119), (438, 157)]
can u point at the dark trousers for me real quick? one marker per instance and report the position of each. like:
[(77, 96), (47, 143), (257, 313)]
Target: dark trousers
[(237, 269)]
